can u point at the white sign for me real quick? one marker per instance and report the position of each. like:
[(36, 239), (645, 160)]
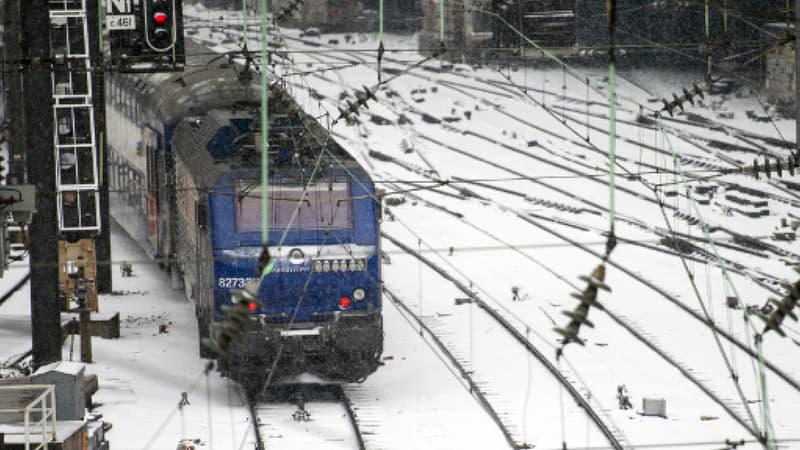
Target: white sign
[(121, 22), (118, 7)]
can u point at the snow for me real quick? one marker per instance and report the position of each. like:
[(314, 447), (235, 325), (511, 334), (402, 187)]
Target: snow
[(416, 399), (68, 368)]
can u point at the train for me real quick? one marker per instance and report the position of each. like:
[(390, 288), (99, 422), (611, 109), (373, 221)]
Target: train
[(184, 168), (655, 31)]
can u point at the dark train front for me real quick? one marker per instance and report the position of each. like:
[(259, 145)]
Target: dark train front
[(184, 165), (319, 307)]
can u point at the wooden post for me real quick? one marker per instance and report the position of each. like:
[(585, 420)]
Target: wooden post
[(86, 335)]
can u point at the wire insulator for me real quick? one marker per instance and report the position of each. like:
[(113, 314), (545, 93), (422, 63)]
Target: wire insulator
[(579, 316), (264, 261), (687, 96), (224, 333), (784, 307), (777, 166)]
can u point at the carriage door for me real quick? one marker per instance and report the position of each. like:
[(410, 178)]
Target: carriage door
[(150, 142)]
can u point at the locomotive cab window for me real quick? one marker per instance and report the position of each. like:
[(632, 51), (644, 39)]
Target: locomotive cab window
[(324, 205)]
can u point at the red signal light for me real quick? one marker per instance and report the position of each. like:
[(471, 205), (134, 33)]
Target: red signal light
[(344, 302), (160, 18), (251, 306)]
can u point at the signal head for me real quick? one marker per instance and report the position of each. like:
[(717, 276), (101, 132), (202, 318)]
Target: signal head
[(160, 18), (160, 21)]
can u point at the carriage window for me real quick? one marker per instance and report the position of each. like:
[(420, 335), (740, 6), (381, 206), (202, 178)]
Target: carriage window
[(325, 205)]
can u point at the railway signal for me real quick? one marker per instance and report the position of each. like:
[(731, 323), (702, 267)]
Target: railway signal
[(159, 21), (146, 36)]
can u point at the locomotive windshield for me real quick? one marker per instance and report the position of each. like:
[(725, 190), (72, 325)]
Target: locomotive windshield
[(322, 205)]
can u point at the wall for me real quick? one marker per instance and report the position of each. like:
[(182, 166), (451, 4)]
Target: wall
[(781, 79)]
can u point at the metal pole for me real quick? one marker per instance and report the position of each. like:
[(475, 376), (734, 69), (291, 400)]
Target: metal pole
[(38, 143), (441, 22), (244, 24), (708, 44), (797, 72), (264, 128), (380, 20), (94, 17), (611, 6), (725, 20)]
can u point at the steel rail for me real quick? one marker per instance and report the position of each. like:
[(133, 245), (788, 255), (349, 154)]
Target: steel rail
[(579, 399)]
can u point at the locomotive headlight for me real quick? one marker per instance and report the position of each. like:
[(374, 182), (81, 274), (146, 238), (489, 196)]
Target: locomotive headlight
[(296, 256), (359, 294)]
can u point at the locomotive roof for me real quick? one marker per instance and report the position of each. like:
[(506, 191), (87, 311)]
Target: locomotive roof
[(230, 139)]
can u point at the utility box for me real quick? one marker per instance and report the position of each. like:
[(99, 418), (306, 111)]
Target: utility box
[(68, 379), (654, 407), (78, 259)]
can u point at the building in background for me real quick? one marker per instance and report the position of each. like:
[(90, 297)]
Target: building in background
[(780, 71), (339, 15), (668, 32)]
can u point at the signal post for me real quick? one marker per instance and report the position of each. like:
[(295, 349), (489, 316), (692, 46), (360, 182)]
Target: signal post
[(61, 76)]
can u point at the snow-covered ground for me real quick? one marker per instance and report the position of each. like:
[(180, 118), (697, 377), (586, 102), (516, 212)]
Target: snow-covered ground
[(517, 136)]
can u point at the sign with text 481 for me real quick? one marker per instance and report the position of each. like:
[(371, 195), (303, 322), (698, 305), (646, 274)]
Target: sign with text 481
[(121, 22)]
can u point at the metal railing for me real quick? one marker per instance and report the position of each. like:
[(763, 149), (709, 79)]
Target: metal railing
[(38, 415), (78, 202)]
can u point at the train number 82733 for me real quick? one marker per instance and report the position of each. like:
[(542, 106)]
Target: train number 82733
[(233, 282)]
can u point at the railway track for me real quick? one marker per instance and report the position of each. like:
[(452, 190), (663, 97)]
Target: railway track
[(315, 414), (512, 90), (17, 286), (699, 162), (734, 409), (688, 217), (475, 386), (706, 124), (613, 436), (659, 244), (694, 120)]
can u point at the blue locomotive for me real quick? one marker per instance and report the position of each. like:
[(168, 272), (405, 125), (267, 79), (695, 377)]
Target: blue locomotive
[(184, 168)]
